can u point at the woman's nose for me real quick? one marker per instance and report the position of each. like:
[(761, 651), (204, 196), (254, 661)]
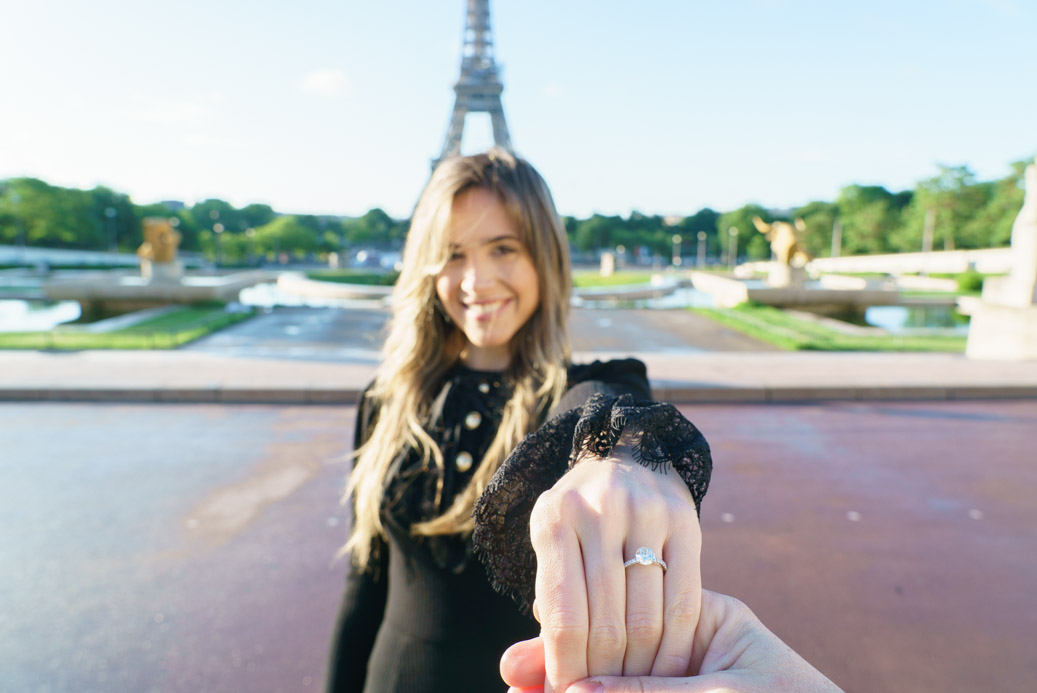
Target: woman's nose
[(477, 274)]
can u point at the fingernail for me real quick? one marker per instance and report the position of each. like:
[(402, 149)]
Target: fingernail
[(586, 686)]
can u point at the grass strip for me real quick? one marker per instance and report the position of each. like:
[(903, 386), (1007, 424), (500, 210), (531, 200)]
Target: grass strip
[(167, 331), (775, 326), (352, 276), (586, 280)]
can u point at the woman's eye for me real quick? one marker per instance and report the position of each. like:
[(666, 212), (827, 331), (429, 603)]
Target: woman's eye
[(505, 249)]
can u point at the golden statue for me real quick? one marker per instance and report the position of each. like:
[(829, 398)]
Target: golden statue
[(784, 238), (160, 241), (158, 251)]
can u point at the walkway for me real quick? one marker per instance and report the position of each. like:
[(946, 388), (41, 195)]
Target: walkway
[(306, 355)]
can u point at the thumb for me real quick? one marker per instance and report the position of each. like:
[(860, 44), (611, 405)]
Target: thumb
[(522, 665), (723, 682)]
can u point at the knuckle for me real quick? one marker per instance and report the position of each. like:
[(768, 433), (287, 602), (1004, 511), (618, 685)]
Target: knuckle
[(557, 505), (570, 501), (607, 637), (544, 505), (544, 520), (565, 628), (683, 611), (643, 629)]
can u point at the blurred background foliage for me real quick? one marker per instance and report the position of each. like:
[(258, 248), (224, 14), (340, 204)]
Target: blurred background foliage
[(963, 213)]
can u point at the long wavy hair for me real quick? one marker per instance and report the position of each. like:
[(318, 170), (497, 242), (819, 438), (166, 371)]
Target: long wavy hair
[(422, 345)]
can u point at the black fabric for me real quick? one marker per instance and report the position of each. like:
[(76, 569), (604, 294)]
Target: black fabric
[(427, 618), (662, 438)]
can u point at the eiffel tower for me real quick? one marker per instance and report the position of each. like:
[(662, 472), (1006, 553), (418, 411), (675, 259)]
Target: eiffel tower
[(479, 88)]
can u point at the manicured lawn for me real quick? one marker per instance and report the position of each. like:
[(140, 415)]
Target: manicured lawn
[(777, 327), (354, 276), (166, 331), (586, 280)]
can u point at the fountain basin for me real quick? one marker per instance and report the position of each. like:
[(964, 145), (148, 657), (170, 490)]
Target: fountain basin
[(107, 293), (830, 295), (298, 284)]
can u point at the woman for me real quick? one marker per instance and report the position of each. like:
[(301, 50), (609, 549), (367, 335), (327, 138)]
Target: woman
[(476, 360)]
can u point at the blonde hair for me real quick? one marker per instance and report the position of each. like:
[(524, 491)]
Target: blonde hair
[(422, 345)]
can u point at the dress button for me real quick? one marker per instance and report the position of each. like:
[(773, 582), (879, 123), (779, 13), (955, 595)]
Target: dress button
[(472, 420), (463, 462), (484, 388)]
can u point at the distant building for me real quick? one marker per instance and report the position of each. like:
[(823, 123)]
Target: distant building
[(173, 205)]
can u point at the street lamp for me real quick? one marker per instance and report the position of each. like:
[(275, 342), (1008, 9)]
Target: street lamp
[(15, 200), (702, 249), (676, 250), (250, 235), (110, 214), (218, 229), (732, 246)]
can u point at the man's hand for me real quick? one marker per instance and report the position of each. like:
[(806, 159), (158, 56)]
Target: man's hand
[(733, 652)]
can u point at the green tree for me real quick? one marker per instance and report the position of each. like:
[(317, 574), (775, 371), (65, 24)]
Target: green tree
[(208, 213), (596, 233), (331, 241), (256, 215), (375, 228), (117, 219), (991, 226), (285, 234), (954, 198), (703, 220), (869, 215), (49, 216), (820, 217), (751, 243)]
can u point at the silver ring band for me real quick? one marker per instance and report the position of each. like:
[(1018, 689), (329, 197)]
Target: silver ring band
[(645, 556)]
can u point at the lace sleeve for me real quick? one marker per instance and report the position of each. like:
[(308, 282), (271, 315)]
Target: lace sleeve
[(662, 438)]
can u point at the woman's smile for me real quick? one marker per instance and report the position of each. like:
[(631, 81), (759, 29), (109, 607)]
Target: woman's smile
[(484, 311)]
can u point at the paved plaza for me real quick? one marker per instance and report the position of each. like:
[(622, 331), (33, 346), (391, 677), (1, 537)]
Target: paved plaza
[(191, 547)]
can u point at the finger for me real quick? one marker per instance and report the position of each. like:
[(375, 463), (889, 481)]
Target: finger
[(606, 599), (682, 592), (522, 664), (644, 590), (561, 594)]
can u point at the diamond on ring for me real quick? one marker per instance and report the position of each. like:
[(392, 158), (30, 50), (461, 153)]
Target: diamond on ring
[(645, 556)]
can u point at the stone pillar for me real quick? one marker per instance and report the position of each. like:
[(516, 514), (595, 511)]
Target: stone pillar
[(780, 275), (1004, 324)]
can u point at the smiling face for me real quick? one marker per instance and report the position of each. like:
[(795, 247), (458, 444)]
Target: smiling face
[(489, 286)]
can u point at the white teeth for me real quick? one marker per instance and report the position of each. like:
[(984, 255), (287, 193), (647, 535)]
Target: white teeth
[(484, 308)]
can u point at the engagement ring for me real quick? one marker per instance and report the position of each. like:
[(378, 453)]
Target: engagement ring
[(645, 556)]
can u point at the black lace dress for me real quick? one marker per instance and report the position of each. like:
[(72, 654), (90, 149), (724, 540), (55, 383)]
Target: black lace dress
[(426, 617)]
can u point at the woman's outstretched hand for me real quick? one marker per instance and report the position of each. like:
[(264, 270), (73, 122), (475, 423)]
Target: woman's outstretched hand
[(733, 651), (597, 617)]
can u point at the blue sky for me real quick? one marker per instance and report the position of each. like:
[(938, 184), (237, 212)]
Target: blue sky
[(662, 106)]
